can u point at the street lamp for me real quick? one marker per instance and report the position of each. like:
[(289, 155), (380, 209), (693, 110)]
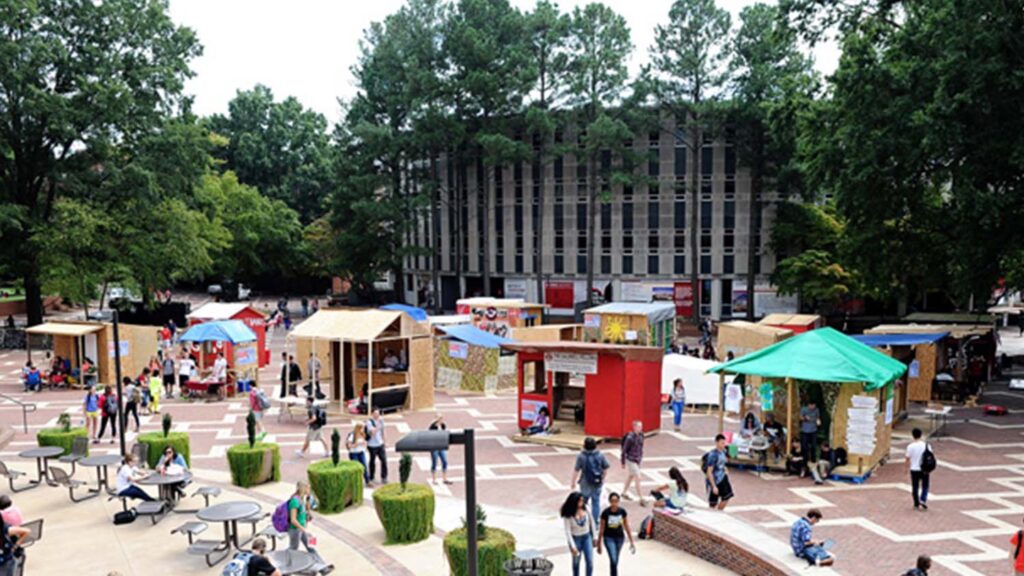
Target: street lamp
[(431, 440)]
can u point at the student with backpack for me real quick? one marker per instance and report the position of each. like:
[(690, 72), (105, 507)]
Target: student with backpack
[(108, 409), (580, 531), (355, 443), (589, 473), (258, 403), (924, 564), (316, 419), (91, 407), (299, 517), (132, 400), (717, 479), (1016, 555), (922, 463)]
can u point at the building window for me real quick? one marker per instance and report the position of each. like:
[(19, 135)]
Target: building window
[(680, 242), (705, 214), (730, 187), (559, 242), (606, 264), (728, 264), (581, 263), (730, 161), (728, 242), (705, 264), (729, 219), (627, 263), (652, 242), (707, 162), (499, 219), (606, 216), (517, 172), (653, 210), (606, 161), (705, 297), (653, 165), (726, 298), (559, 165), (581, 241), (581, 216), (581, 172), (627, 215), (705, 240), (627, 243), (519, 194), (519, 263), (559, 264), (652, 264), (680, 162), (606, 243), (518, 217), (559, 217), (627, 191), (679, 214), (679, 264)]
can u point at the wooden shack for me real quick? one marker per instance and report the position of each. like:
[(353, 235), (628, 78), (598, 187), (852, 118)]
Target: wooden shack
[(638, 323), (797, 323), (471, 360), (77, 341), (500, 315), (741, 337), (549, 333), (924, 353)]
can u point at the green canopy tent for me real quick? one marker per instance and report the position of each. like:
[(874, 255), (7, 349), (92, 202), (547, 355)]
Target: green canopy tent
[(823, 355)]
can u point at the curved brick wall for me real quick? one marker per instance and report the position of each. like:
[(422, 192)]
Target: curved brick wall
[(703, 542)]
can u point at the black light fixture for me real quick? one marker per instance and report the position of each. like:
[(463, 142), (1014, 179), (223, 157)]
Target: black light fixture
[(431, 440)]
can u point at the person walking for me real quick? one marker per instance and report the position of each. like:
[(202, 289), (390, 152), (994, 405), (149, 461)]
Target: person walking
[(1016, 554), (258, 403), (315, 421), (313, 369), (920, 480), (589, 473), (614, 528), (717, 479), (299, 518), (376, 446), (305, 307), (186, 368), (804, 546), (437, 456), (810, 421), (924, 564), (156, 390), (108, 411), (678, 402), (579, 532), (284, 374), (294, 375), (632, 456), (132, 400), (355, 443), (169, 372), (91, 407)]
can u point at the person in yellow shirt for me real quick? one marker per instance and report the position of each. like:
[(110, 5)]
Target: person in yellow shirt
[(156, 390)]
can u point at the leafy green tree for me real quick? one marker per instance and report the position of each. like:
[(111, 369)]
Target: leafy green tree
[(75, 251), (689, 61), (772, 82), (598, 45), (76, 75), (281, 148), (807, 240)]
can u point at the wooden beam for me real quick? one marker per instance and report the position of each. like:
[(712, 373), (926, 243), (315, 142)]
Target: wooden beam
[(721, 402), (789, 416)]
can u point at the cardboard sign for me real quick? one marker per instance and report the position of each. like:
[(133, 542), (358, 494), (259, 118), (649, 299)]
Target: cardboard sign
[(125, 348), (570, 362), (458, 350), (528, 409), (592, 321), (245, 356)]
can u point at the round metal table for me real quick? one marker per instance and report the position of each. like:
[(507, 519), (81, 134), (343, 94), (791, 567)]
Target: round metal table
[(100, 463), (42, 454), (229, 513), (167, 484), (291, 561)]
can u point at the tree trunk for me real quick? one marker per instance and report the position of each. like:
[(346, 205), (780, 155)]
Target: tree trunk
[(591, 225), (695, 149), (435, 234), (756, 188), (485, 240), (33, 293), (538, 232)]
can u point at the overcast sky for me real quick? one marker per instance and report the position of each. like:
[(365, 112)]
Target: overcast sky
[(305, 48)]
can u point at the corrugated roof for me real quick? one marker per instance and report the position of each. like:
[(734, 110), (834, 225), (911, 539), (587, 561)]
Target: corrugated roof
[(348, 324), (949, 318), (655, 311), (475, 336), (64, 329), (217, 311), (642, 353), (877, 340), (955, 330)]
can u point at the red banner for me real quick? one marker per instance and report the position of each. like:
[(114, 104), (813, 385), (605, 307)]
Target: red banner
[(559, 294), (682, 293)]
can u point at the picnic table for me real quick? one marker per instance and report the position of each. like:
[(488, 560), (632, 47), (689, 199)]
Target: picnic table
[(167, 484), (42, 455), (229, 513), (101, 462), (291, 561)]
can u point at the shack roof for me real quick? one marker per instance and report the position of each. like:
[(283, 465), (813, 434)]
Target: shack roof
[(65, 328), (655, 311), (638, 353)]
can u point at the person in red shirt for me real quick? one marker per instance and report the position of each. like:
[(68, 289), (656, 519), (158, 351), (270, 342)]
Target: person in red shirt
[(108, 413), (1017, 552)]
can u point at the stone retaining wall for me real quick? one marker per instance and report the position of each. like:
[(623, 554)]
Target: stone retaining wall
[(703, 542)]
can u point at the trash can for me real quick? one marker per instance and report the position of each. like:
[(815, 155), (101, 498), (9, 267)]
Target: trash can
[(537, 566)]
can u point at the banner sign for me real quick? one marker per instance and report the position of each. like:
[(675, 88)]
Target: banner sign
[(458, 350), (570, 362)]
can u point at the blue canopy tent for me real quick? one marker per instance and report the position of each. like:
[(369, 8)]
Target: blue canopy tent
[(880, 340), (417, 314), (472, 335), (236, 336)]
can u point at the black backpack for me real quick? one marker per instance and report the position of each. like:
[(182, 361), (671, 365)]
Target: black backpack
[(321, 418), (841, 458), (928, 461), (592, 468), (704, 463), (125, 517)]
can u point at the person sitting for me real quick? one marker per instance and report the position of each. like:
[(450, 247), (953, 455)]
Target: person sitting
[(776, 434), (750, 426), (796, 465), (924, 564), (259, 564), (391, 359), (171, 462), (826, 462), (672, 497), (541, 422), (30, 377), (800, 539), (127, 476), (89, 372), (13, 557)]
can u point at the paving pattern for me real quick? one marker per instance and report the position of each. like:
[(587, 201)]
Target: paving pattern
[(977, 499)]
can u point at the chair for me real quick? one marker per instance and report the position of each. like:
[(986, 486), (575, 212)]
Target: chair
[(79, 450), (61, 478), (207, 492), (35, 528), (13, 475), (191, 529), (141, 453), (209, 549), (155, 510)]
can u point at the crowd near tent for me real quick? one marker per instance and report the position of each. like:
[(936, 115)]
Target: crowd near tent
[(254, 319), (234, 338), (853, 381), (500, 315), (372, 357), (472, 360), (78, 341), (641, 323)]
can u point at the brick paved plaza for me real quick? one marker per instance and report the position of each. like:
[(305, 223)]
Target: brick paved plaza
[(977, 493)]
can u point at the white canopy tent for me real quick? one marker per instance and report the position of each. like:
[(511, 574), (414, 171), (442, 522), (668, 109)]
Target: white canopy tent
[(701, 387)]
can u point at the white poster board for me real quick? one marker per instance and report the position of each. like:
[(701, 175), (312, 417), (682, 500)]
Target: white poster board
[(861, 425), (458, 350), (570, 362)]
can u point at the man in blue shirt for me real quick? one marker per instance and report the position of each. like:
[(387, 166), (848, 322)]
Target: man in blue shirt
[(810, 421), (803, 544), (717, 482)]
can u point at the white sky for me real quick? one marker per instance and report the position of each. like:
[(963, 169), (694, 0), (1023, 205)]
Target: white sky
[(305, 48)]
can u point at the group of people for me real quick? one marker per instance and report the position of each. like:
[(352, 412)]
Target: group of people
[(58, 372), (129, 474)]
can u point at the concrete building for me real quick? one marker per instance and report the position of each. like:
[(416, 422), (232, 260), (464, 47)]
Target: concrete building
[(643, 242)]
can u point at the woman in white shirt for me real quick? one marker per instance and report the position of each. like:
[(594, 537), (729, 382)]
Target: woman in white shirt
[(579, 531), (355, 443), (127, 475)]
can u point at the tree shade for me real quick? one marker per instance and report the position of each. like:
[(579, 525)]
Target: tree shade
[(823, 355)]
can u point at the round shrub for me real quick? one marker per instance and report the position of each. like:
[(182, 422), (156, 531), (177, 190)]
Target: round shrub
[(60, 437), (494, 548), (406, 514), (249, 466), (157, 443), (336, 486)]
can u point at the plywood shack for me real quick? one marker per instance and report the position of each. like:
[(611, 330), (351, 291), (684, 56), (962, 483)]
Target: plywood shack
[(77, 341), (924, 353), (471, 360), (500, 315), (549, 333), (741, 337), (798, 323), (636, 323)]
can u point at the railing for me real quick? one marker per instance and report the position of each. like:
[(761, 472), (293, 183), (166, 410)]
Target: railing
[(26, 407), (12, 339)]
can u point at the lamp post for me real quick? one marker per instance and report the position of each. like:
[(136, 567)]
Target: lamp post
[(120, 388), (430, 440)]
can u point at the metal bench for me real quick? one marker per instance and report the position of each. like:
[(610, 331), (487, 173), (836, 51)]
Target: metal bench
[(252, 521), (207, 492), (273, 534), (123, 499), (191, 529), (209, 548), (79, 450), (13, 475), (61, 478), (155, 510)]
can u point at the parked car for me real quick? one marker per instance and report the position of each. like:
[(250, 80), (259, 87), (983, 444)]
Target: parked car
[(229, 291)]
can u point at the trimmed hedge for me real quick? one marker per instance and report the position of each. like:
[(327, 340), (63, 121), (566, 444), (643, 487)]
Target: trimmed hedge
[(247, 463), (493, 550), (407, 515), (58, 437), (157, 443), (336, 487)]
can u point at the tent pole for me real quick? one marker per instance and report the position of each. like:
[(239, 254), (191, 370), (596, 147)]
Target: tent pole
[(721, 402), (789, 415)]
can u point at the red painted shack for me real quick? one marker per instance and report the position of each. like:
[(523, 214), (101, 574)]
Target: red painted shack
[(615, 384), (253, 318)]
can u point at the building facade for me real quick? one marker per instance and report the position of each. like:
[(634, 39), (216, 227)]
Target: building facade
[(643, 240)]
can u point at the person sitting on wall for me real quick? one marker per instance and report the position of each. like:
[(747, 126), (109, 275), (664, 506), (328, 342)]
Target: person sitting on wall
[(541, 422)]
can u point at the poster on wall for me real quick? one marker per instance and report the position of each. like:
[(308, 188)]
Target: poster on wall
[(663, 293), (767, 300), (570, 362), (458, 350), (635, 292), (739, 303), (516, 288), (559, 294), (528, 409), (914, 370), (125, 348), (860, 426), (592, 321), (682, 293), (245, 355)]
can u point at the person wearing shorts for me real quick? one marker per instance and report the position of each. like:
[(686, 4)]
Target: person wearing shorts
[(91, 407), (313, 432), (803, 544), (718, 485), (632, 455)]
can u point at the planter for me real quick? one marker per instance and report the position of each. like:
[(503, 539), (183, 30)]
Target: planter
[(336, 487), (256, 465), (157, 443), (407, 516), (60, 438), (495, 548)]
